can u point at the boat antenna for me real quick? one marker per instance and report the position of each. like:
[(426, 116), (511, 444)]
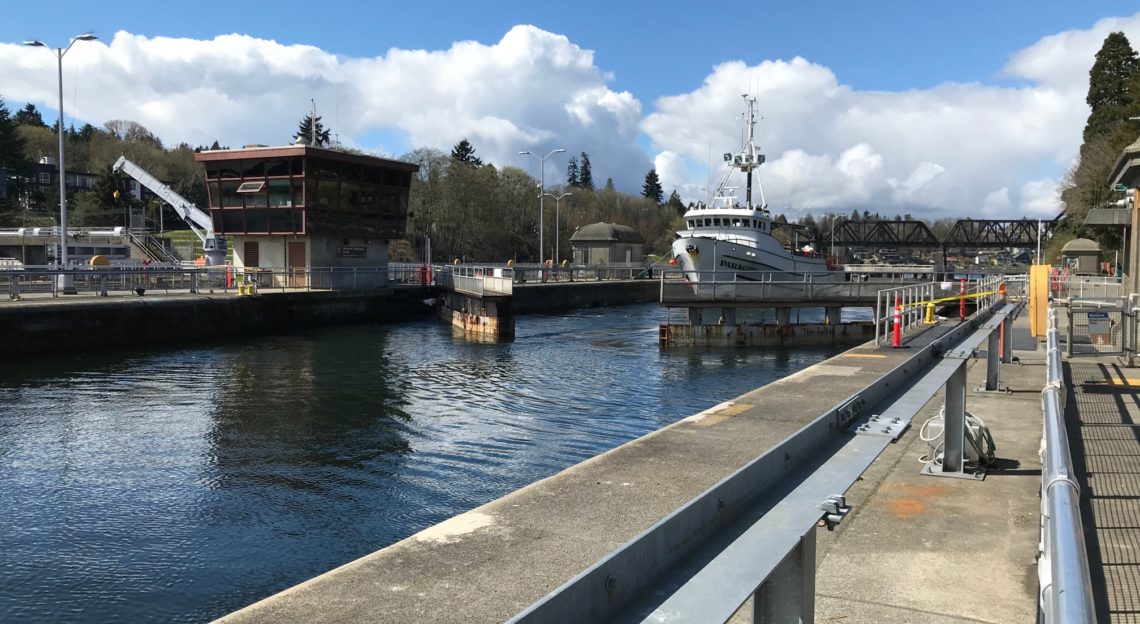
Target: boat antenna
[(749, 159)]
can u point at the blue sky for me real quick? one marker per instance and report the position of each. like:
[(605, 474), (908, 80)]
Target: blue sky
[(652, 48), (871, 63)]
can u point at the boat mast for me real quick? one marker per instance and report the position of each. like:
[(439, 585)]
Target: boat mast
[(750, 148), (749, 159)]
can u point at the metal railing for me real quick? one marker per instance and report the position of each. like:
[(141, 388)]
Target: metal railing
[(759, 287), (915, 298), (531, 273), (153, 248), (104, 281), (910, 298), (20, 282), (411, 273), (922, 269), (1065, 285), (771, 557), (481, 281), (1063, 566)]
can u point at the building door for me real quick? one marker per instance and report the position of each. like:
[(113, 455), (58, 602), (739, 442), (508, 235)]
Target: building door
[(295, 260), (251, 258)]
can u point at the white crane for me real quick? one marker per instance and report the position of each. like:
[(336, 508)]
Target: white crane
[(198, 220)]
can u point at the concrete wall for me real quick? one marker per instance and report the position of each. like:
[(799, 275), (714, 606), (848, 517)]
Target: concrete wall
[(321, 252), (34, 329), (613, 254), (547, 298), (756, 335), (129, 322)]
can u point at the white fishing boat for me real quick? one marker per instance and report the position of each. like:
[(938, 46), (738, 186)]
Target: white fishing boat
[(729, 242)]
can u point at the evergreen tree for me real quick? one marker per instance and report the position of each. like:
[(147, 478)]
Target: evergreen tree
[(1109, 80), (12, 160), (675, 203), (87, 132), (215, 146), (652, 187), (610, 185), (573, 175), (585, 176), (854, 216), (29, 116), (305, 131), (464, 152)]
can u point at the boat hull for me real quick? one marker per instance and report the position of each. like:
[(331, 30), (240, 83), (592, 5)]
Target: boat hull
[(701, 257)]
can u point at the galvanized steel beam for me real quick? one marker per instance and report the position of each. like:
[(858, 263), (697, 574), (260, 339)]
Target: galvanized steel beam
[(682, 569)]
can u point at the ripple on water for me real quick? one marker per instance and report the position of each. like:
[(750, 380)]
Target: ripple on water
[(179, 485)]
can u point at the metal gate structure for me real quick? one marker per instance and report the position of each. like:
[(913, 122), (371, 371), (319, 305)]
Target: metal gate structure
[(1105, 326)]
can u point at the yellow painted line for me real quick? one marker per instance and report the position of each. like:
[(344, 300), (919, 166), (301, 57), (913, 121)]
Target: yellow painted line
[(723, 414), (865, 355), (1127, 381)]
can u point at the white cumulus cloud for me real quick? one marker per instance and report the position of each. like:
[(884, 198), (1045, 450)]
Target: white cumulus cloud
[(932, 152), (952, 149), (531, 90)]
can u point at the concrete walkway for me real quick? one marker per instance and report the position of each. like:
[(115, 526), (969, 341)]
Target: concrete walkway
[(1103, 414), (933, 550)]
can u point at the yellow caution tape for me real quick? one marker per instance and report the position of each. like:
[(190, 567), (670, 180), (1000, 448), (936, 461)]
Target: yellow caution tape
[(954, 298)]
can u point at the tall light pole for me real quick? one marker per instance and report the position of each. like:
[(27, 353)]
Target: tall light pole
[(557, 222), (833, 236), (541, 187), (62, 259)]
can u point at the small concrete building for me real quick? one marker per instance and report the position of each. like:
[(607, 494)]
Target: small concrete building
[(607, 244), (299, 208), (1082, 256)]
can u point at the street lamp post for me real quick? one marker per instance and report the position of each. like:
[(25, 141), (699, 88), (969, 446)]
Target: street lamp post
[(557, 222), (65, 282), (541, 187)]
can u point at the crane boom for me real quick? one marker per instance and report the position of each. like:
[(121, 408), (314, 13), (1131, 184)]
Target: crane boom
[(198, 220)]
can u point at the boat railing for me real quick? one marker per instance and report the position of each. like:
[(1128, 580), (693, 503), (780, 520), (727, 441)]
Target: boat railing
[(683, 288), (888, 268)]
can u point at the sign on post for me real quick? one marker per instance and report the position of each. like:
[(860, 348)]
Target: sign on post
[(352, 252), (1100, 328)]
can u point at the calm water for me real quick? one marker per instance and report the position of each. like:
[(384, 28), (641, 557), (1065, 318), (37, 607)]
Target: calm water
[(180, 485)]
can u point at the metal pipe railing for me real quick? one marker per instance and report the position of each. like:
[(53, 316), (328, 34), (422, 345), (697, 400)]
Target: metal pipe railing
[(1063, 573)]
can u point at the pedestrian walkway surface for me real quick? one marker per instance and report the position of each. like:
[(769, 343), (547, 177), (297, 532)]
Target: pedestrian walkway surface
[(937, 550), (1103, 414)]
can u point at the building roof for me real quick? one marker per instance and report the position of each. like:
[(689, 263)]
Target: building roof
[(606, 233), (1080, 245), (1108, 216), (302, 150), (1126, 170)]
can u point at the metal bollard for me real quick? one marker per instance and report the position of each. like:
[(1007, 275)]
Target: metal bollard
[(896, 339), (962, 302)]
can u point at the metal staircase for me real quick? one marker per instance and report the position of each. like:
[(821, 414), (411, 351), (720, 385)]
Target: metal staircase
[(153, 248)]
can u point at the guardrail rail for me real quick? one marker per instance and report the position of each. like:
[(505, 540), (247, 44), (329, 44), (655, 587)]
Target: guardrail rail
[(1063, 567)]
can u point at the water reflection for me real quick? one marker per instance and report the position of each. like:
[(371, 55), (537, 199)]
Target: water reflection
[(179, 485)]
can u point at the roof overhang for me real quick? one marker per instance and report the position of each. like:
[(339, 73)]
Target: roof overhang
[(1108, 216), (1126, 170), (303, 150)]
